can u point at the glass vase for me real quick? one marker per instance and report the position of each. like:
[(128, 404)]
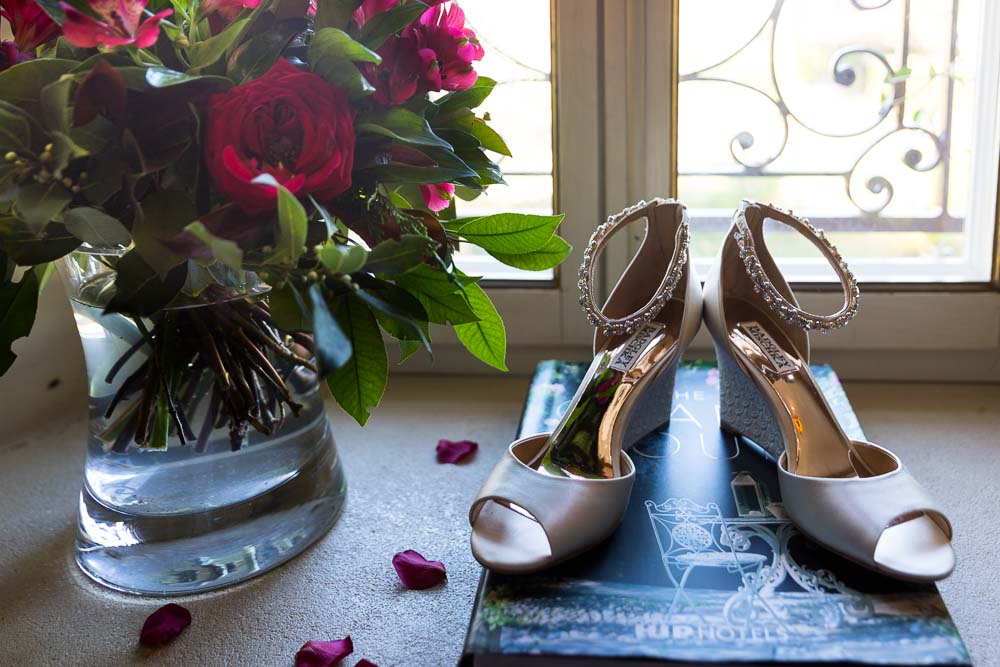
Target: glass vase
[(222, 505)]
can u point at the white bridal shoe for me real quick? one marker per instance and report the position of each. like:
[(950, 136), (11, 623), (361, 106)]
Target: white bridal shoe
[(555, 495), (854, 497)]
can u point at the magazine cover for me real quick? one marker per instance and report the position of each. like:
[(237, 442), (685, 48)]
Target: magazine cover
[(705, 566)]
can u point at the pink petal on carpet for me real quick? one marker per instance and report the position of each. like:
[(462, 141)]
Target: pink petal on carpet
[(454, 452), (324, 654), (164, 624), (416, 572)]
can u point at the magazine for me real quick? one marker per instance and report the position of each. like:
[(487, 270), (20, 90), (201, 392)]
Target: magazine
[(705, 567)]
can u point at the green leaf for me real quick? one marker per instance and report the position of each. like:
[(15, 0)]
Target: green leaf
[(208, 52), (27, 249), (139, 290), (509, 233), (287, 309), (15, 129), (252, 58), (469, 98), (358, 385), (37, 204), (487, 338), (398, 256), (292, 227), (18, 303), (343, 259), (332, 54), (224, 250), (97, 228), (401, 125), (54, 99), (447, 167), (404, 317), (24, 82), (145, 78), (160, 217), (549, 255), (379, 27), (486, 135), (334, 13), (430, 280), (333, 348), (451, 308)]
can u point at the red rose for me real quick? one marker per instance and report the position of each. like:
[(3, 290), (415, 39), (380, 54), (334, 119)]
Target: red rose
[(292, 125)]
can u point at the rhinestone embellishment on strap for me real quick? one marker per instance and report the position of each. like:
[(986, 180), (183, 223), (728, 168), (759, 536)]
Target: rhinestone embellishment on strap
[(664, 292), (775, 300)]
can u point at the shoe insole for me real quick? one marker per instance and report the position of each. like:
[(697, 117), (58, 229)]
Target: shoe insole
[(917, 549), (818, 446), (588, 439)]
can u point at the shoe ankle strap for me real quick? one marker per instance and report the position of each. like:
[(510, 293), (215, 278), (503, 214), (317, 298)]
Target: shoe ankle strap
[(776, 301), (672, 275)]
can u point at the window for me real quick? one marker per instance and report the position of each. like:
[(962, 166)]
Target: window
[(877, 120), (516, 35)]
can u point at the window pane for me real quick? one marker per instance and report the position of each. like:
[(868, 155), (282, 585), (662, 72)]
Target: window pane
[(517, 39), (865, 116)]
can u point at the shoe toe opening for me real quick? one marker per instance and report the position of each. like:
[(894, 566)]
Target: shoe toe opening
[(508, 539), (917, 548)]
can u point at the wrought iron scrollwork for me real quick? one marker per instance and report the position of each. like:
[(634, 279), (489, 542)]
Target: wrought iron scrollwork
[(868, 190)]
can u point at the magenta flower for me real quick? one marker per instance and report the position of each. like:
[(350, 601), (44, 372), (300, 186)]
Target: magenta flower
[(438, 195), (10, 55), (164, 624), (416, 572), (119, 25), (324, 654), (397, 77), (455, 452), (31, 26), (369, 8), (442, 29)]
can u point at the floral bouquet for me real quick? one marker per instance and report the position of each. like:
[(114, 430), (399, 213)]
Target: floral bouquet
[(294, 164)]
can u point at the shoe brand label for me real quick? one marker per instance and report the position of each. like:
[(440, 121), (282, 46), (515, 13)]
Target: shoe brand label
[(629, 353), (769, 347)]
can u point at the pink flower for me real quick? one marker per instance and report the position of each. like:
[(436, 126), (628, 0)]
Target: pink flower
[(120, 24), (10, 55), (369, 8), (455, 452), (324, 654), (31, 26), (397, 77), (416, 572), (442, 29), (221, 13), (164, 624), (438, 195)]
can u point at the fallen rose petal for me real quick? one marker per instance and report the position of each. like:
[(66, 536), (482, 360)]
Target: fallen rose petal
[(324, 654), (453, 452), (365, 662), (164, 624), (416, 572)]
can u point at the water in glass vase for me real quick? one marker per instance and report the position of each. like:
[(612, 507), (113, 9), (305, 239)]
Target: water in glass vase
[(225, 505)]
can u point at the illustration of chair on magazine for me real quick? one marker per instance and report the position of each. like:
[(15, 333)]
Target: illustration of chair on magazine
[(692, 536)]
